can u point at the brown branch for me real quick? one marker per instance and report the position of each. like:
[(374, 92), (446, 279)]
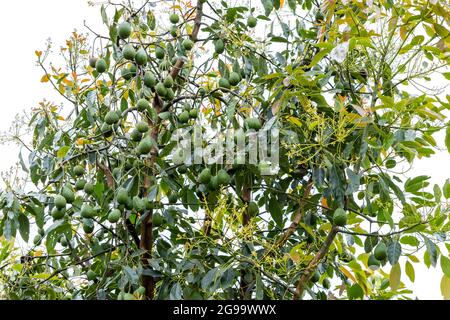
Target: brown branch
[(246, 197), (193, 36), (146, 241), (297, 218), (314, 262)]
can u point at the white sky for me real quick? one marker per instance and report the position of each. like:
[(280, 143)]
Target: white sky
[(26, 25)]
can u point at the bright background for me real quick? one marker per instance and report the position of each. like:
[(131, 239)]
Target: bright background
[(26, 26)]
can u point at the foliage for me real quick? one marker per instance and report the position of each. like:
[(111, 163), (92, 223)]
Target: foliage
[(345, 82)]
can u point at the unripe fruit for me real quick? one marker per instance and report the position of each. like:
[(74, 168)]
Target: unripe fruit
[(41, 232), (149, 80), (253, 209), (223, 178), (183, 117), (145, 146), (224, 83), (174, 18), (87, 211), (122, 196), (253, 123), (174, 31), (161, 90), (173, 198), (88, 225), (101, 66), (142, 105), (112, 117), (37, 239), (373, 263), (187, 44), (142, 127), (60, 201), (168, 81), (114, 216), (129, 52), (219, 46), (91, 275), (126, 73), (205, 176), (315, 277), (326, 283), (202, 91), (135, 135), (92, 62), (79, 185), (214, 183), (141, 57), (380, 251), (339, 217), (133, 70), (251, 22), (124, 30), (157, 220), (58, 213), (234, 79), (138, 204), (170, 95), (78, 170), (193, 113), (89, 188), (159, 53)]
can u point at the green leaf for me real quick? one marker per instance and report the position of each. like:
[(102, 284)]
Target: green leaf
[(176, 292), (268, 6), (355, 292), (24, 227), (209, 278), (318, 57), (394, 276), (437, 193), (445, 265), (394, 251), (447, 137), (104, 15), (410, 240), (259, 287), (62, 152), (151, 21), (275, 211), (445, 287), (432, 251), (415, 184), (410, 271), (446, 189)]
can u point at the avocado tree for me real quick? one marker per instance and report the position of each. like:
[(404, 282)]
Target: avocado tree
[(116, 208)]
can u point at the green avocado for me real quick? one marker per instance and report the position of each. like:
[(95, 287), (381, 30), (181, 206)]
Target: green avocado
[(129, 52), (124, 30), (141, 57), (149, 80), (87, 211), (205, 176), (112, 117), (101, 66), (114, 216), (122, 196), (142, 105), (339, 217)]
